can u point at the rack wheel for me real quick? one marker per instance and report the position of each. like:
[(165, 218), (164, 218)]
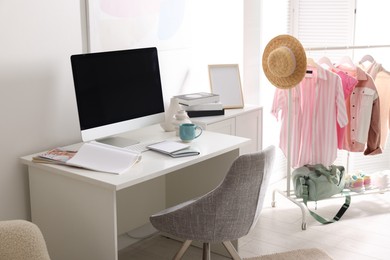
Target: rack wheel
[(273, 204), (303, 225)]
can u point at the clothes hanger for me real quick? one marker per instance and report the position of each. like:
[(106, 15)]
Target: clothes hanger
[(311, 62), (346, 60), (326, 61), (367, 58)]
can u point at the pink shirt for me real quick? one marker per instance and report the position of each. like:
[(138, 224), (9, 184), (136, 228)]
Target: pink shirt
[(349, 84), (317, 106)]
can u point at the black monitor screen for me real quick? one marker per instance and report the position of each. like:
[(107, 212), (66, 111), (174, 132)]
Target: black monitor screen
[(116, 86)]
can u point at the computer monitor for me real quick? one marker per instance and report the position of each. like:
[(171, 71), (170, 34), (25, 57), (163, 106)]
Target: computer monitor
[(117, 91)]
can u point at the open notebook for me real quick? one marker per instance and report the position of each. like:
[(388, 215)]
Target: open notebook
[(94, 156)]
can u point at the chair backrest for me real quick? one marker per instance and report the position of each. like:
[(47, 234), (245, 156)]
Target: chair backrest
[(239, 198), (227, 212), (21, 239)]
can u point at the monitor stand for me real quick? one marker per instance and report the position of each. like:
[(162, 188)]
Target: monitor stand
[(117, 141)]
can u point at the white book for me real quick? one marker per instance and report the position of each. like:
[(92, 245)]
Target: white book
[(205, 106), (197, 98), (93, 156)]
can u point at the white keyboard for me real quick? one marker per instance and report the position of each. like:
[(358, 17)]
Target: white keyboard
[(140, 147)]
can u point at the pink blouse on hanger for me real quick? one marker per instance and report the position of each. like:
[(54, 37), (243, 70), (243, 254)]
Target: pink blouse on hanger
[(349, 84), (317, 105)]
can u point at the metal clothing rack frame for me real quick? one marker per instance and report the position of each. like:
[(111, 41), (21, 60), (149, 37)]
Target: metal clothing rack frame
[(346, 47), (287, 193)]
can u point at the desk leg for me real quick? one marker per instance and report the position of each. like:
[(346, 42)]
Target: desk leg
[(77, 219)]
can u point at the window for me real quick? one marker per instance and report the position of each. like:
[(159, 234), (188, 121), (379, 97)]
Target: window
[(323, 23)]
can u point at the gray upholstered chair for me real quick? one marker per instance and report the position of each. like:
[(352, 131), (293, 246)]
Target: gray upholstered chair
[(21, 240), (226, 213)]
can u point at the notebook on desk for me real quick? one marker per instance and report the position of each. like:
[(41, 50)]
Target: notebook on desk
[(168, 147), (174, 149), (185, 152)]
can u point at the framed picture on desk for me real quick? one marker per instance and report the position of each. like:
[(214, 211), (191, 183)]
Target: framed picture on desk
[(225, 80)]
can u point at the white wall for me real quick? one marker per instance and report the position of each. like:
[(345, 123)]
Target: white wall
[(274, 21), (36, 96), (252, 51), (38, 109)]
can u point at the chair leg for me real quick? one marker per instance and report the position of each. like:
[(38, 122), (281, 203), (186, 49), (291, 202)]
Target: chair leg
[(206, 251), (232, 251), (182, 250)]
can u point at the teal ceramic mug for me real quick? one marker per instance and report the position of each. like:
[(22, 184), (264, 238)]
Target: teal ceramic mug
[(189, 132)]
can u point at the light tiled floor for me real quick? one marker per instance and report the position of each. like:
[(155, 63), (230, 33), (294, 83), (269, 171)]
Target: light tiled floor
[(362, 233)]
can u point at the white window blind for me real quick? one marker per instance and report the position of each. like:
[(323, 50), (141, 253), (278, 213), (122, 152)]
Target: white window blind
[(318, 23)]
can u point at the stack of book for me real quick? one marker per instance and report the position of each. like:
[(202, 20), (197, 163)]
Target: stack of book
[(201, 104)]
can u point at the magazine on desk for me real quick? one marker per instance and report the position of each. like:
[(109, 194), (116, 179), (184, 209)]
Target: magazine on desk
[(93, 156)]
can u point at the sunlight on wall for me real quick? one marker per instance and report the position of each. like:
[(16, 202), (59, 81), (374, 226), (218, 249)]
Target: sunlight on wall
[(275, 15), (275, 21), (217, 37), (372, 19)]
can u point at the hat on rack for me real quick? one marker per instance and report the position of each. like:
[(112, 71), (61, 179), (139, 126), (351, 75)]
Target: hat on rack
[(284, 61)]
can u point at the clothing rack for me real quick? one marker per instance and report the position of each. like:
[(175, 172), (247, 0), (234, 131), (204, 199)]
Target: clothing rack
[(346, 47), (287, 193)]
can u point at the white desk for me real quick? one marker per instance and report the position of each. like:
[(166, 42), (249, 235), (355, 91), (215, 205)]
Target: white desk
[(82, 212)]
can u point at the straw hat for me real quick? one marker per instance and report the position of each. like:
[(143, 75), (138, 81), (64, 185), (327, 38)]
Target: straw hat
[(284, 61)]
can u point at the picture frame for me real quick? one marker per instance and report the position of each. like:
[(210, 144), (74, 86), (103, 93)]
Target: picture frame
[(226, 82)]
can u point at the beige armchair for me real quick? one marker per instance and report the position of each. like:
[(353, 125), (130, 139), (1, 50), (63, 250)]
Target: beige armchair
[(226, 213), (22, 240)]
